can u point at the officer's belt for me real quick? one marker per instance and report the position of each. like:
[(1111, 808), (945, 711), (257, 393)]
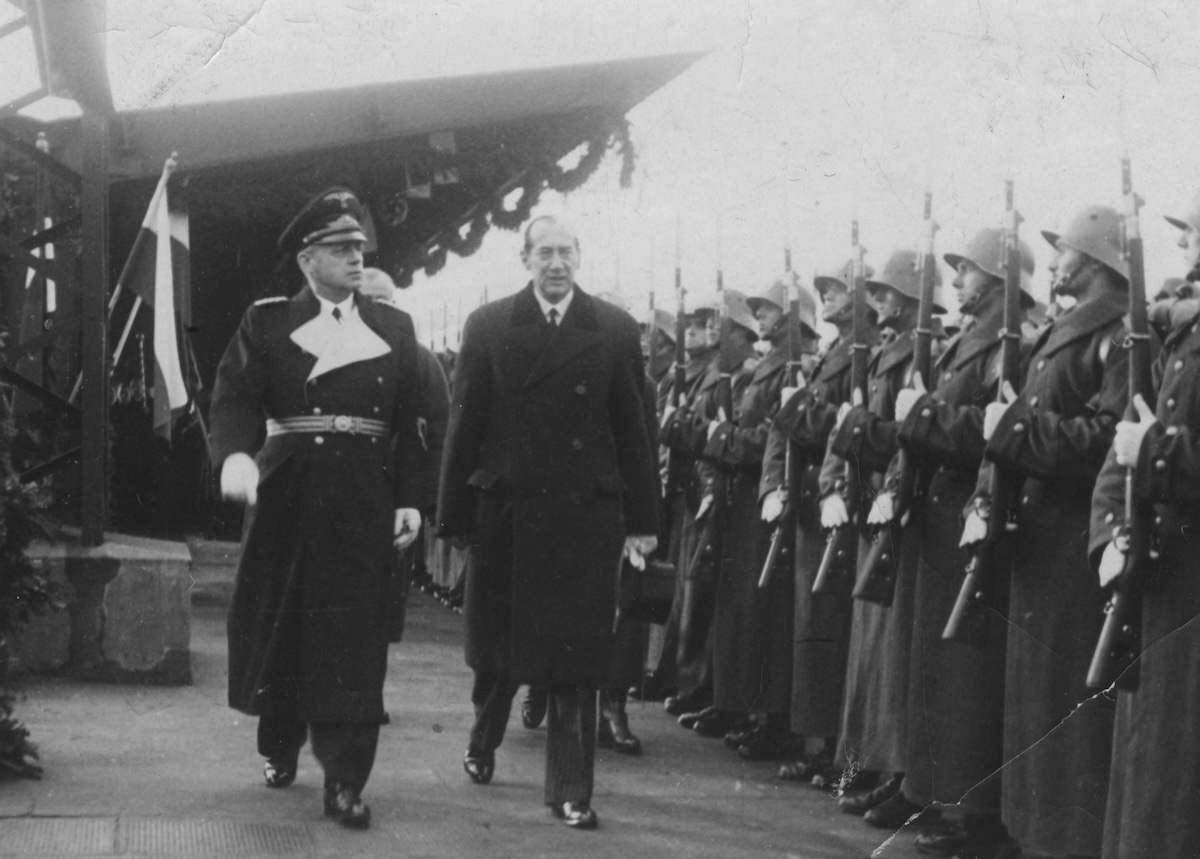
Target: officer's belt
[(328, 423)]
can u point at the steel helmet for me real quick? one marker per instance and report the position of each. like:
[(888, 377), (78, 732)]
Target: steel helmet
[(901, 274), (779, 293), (1191, 219), (843, 276), (986, 251), (1096, 231), (664, 323), (739, 312)]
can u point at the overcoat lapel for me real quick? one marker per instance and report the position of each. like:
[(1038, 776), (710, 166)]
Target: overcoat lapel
[(577, 333)]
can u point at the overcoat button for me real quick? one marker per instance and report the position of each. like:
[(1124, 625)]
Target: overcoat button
[(1172, 430), (1018, 427), (319, 440), (1042, 364), (1171, 403), (1179, 364), (948, 375), (577, 444), (934, 499), (581, 389), (1025, 500), (380, 380), (376, 410), (1160, 465), (926, 412), (316, 411), (1034, 400), (1110, 518)]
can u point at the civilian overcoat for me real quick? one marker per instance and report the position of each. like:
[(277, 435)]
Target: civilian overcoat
[(547, 468)]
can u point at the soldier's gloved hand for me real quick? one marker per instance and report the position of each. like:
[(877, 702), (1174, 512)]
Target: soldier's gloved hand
[(637, 547), (995, 411), (408, 525), (833, 511), (789, 392), (908, 396), (1127, 443), (1112, 562), (705, 504), (772, 506), (239, 479), (974, 529), (668, 412), (883, 510), (713, 426)]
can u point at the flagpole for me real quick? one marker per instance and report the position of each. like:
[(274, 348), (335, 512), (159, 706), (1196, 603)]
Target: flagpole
[(168, 168)]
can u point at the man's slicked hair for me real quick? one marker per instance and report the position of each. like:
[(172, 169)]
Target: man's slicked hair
[(552, 220)]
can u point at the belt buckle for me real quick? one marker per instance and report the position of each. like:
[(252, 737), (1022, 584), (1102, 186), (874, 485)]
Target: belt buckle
[(343, 423)]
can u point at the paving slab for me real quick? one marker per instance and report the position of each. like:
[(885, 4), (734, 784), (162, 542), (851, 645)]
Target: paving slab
[(172, 771)]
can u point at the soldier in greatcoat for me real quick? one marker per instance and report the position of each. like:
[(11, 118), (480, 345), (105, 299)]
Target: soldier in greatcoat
[(1155, 774), (956, 691), (821, 625), (548, 473), (872, 734), (1053, 438), (332, 493)]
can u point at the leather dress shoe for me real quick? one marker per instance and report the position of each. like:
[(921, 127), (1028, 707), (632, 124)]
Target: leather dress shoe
[(479, 764), (533, 707), (898, 811), (861, 803), (718, 723), (612, 732), (741, 735), (278, 772), (689, 720), (344, 804), (805, 768), (688, 702), (945, 839), (767, 744), (577, 815)]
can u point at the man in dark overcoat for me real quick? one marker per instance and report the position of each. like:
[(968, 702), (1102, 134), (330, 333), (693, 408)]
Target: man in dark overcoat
[(1155, 774), (548, 473), (1053, 439), (331, 495)]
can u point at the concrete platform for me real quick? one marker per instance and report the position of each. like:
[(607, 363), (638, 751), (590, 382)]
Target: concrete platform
[(161, 771)]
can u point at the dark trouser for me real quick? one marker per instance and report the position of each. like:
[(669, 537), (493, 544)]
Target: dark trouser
[(570, 733), (346, 750)]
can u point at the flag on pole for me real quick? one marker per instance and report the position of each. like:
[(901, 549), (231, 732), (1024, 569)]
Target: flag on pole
[(158, 273)]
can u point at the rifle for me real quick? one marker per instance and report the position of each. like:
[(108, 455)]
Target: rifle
[(785, 529), (877, 582), (969, 618), (1120, 643), (841, 547), (680, 327)]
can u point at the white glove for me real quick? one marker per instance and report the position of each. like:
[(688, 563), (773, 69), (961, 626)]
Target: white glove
[(883, 510), (833, 511), (908, 396), (667, 413), (239, 479), (995, 411), (637, 547), (772, 506), (1127, 443), (974, 529), (789, 392), (408, 525), (713, 426), (1112, 562), (705, 503)]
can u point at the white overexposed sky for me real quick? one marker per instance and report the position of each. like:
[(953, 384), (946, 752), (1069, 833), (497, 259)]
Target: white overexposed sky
[(805, 114)]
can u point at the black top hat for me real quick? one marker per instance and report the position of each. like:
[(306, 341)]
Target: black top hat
[(331, 217)]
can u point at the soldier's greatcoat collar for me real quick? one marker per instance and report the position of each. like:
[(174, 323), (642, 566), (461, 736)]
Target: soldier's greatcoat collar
[(835, 361), (771, 363), (892, 354), (1082, 321), (966, 345), (577, 332)]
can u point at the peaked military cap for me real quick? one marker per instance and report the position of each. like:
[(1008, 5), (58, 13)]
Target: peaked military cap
[(333, 216)]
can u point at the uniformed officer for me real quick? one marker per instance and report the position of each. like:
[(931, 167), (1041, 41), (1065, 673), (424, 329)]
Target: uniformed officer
[(331, 495)]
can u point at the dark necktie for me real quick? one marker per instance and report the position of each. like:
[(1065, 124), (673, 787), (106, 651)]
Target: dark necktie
[(337, 315), (553, 314)]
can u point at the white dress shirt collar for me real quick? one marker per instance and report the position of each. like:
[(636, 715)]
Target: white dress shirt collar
[(561, 306)]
